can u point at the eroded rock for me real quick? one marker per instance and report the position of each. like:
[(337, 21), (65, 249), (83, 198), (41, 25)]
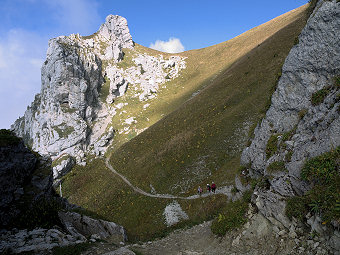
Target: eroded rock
[(86, 226)]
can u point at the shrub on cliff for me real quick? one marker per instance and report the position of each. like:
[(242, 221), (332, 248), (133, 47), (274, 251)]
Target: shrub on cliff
[(7, 137), (324, 196), (232, 217)]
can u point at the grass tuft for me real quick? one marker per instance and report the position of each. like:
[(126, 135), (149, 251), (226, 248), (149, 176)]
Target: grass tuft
[(272, 145), (296, 207), (63, 130), (324, 196), (232, 217), (322, 169), (275, 167), (302, 113), (319, 96)]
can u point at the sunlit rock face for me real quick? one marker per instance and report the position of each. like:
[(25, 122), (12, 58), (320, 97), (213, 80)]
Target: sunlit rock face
[(295, 127), (80, 80)]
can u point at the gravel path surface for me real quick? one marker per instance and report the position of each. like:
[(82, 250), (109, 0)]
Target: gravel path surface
[(226, 190)]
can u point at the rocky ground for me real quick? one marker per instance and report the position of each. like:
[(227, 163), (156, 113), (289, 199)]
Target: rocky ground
[(257, 236)]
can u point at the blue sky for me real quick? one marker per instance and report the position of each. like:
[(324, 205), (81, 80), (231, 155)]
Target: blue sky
[(26, 26)]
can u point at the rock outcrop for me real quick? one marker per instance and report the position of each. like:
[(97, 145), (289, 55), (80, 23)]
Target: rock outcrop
[(17, 164), (297, 127), (77, 229), (81, 78), (87, 227), (28, 201)]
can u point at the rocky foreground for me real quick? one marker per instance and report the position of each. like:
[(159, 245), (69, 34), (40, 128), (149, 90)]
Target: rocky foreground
[(32, 217), (257, 236)]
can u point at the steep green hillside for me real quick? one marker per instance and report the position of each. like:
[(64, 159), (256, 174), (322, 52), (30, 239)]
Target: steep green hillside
[(200, 138), (203, 67)]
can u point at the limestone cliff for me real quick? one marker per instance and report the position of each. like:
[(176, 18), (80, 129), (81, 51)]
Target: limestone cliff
[(81, 78), (300, 123)]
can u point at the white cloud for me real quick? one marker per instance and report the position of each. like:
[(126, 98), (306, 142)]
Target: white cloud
[(173, 45), (21, 56)]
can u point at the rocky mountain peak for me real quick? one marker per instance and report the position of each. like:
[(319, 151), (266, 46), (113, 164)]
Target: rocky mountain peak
[(115, 28), (81, 78)]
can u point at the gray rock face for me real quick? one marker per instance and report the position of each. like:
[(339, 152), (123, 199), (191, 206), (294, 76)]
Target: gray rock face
[(60, 117), (64, 165), (78, 229), (312, 129), (116, 32), (86, 226), (272, 206), (16, 166), (25, 180), (304, 73), (311, 65), (57, 119)]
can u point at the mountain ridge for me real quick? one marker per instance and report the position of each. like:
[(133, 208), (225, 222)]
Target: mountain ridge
[(155, 179), (192, 118)]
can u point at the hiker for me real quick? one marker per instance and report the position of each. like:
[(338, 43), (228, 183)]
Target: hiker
[(213, 187), (199, 190), (208, 188)]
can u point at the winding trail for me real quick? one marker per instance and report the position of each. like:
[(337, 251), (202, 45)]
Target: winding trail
[(224, 190)]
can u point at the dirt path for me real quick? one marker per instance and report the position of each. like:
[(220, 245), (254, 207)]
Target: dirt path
[(223, 190)]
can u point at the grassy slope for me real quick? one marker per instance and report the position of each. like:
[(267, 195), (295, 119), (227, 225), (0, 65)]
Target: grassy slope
[(198, 137), (203, 67), (212, 128), (102, 194)]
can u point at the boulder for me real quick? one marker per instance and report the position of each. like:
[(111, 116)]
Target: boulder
[(62, 166), (86, 226)]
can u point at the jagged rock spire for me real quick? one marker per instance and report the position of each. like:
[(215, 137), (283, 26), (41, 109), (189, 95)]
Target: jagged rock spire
[(116, 29)]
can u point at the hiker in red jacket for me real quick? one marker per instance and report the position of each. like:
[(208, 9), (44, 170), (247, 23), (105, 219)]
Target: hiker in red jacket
[(208, 188), (213, 187)]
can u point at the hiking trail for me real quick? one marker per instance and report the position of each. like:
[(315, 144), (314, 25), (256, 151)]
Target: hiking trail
[(226, 190)]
